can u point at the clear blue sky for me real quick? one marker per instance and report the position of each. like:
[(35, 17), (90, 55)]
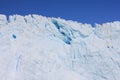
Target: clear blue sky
[(86, 11)]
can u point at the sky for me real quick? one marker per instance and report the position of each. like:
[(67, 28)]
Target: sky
[(85, 11)]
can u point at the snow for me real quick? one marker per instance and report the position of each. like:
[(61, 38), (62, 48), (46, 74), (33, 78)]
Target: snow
[(35, 47)]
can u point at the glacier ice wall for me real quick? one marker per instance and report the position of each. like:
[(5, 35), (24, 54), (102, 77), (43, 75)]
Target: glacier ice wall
[(34, 47)]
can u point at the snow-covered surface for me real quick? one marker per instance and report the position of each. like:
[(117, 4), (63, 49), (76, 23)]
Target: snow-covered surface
[(34, 47)]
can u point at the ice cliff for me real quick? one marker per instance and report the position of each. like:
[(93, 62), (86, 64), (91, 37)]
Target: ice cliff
[(34, 47)]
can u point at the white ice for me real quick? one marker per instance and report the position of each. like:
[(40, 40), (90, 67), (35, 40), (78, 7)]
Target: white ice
[(34, 47)]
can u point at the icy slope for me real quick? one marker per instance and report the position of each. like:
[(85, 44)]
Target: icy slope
[(34, 47)]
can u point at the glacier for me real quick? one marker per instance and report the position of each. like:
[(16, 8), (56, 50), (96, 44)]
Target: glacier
[(35, 47)]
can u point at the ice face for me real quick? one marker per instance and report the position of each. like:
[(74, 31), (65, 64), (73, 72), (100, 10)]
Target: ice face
[(34, 47)]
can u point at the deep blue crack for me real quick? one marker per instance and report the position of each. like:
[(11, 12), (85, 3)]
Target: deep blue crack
[(14, 36), (66, 39)]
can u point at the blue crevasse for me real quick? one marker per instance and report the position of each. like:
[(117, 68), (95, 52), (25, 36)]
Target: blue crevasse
[(14, 36)]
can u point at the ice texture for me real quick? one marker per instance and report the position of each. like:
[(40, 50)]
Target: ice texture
[(35, 47)]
